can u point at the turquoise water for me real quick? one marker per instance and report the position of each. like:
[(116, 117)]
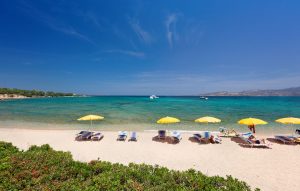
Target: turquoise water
[(140, 112)]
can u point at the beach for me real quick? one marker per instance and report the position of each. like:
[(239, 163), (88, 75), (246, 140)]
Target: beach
[(11, 96), (268, 169), (181, 76)]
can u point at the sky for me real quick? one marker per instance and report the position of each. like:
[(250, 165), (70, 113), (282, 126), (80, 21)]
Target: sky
[(137, 47)]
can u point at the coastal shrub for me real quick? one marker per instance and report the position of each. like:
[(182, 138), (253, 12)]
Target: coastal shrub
[(32, 93), (42, 168)]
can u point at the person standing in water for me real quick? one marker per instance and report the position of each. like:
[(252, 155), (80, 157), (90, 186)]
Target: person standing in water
[(252, 128)]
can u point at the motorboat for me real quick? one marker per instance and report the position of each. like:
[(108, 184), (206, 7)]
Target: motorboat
[(153, 97)]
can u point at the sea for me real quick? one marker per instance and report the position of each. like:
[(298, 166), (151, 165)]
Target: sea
[(141, 113)]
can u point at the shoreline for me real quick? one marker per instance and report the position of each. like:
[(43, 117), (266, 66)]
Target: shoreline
[(258, 167), (6, 97), (142, 127), (147, 131)]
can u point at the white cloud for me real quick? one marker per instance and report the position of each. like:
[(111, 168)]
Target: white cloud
[(170, 83), (128, 52), (170, 24), (53, 23), (68, 30), (93, 18), (142, 34)]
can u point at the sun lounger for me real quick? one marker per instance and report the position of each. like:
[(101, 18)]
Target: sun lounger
[(227, 133), (246, 135), (252, 145), (87, 136), (197, 136), (133, 136), (206, 136), (81, 132), (84, 136), (203, 136), (176, 136), (97, 136), (161, 134), (247, 142), (285, 139), (122, 136), (209, 137)]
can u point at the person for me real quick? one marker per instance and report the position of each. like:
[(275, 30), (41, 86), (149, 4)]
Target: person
[(256, 141), (226, 132), (214, 139), (252, 128)]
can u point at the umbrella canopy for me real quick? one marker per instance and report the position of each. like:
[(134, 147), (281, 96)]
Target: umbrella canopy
[(208, 119), (289, 120), (166, 120), (252, 121), (90, 118)]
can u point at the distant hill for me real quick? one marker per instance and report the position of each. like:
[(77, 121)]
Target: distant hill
[(295, 91)]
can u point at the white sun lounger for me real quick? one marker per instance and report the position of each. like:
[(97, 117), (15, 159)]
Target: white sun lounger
[(97, 136), (122, 136), (176, 136), (133, 136)]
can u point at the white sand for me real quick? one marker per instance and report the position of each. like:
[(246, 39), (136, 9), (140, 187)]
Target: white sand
[(11, 96), (269, 169)]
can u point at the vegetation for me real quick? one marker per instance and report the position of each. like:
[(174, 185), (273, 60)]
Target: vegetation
[(32, 93), (42, 168)]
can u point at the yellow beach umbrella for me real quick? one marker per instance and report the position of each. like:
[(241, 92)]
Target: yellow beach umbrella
[(208, 119), (252, 121), (167, 120), (90, 118), (289, 120)]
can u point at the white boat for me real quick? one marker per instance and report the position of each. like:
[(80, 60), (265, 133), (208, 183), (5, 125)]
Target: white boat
[(202, 97), (153, 97)]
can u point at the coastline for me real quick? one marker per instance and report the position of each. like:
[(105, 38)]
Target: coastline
[(11, 97), (142, 127), (4, 97), (258, 167)]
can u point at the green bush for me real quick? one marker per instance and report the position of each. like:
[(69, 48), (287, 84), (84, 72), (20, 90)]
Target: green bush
[(32, 93), (42, 168)]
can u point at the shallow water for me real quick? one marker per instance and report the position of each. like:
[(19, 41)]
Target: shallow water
[(137, 112)]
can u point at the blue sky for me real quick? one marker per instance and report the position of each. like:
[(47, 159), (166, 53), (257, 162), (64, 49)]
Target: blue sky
[(149, 47)]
